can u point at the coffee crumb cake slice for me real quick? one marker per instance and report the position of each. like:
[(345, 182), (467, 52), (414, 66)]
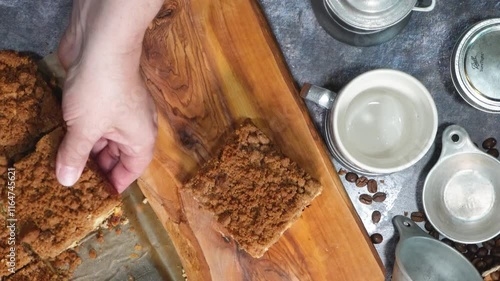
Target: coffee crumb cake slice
[(254, 191)]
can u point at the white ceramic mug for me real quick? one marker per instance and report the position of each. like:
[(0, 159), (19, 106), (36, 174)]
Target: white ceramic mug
[(381, 122)]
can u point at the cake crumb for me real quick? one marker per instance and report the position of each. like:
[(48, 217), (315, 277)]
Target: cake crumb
[(138, 247), (133, 256), (118, 231), (100, 237), (92, 253)]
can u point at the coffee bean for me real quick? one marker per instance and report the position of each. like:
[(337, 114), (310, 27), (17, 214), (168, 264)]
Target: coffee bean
[(361, 182), (434, 233), (481, 265), (495, 276), (489, 143), (469, 256), (493, 152), (472, 248), (417, 216), (379, 197), (489, 244), (372, 186), (376, 215), (342, 172), (351, 177), (482, 252), (475, 261), (377, 238), (365, 199), (489, 260), (495, 252), (461, 247), (448, 242), (428, 226)]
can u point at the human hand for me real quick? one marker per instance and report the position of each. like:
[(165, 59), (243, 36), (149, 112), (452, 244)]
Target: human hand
[(106, 106)]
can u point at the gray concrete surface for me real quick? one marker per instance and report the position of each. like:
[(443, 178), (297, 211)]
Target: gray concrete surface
[(423, 50)]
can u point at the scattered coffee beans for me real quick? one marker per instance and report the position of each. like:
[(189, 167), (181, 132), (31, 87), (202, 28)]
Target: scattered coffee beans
[(376, 215), (372, 186), (434, 233), (490, 244), (493, 152), (351, 177), (417, 216), (377, 238), (461, 247), (489, 260), (489, 143), (495, 252), (481, 265), (448, 242), (365, 199), (482, 252), (362, 181), (469, 256), (428, 226), (472, 248), (379, 197)]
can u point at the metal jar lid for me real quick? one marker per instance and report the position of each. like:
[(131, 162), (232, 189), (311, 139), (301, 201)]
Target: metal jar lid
[(475, 66), (371, 14)]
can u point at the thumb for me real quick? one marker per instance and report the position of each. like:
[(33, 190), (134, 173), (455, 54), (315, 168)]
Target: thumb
[(72, 156)]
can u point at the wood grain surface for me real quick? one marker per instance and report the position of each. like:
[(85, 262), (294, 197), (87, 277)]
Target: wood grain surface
[(208, 65)]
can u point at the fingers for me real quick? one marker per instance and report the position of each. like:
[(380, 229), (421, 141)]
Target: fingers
[(108, 157), (72, 156), (127, 171), (70, 44), (99, 146)]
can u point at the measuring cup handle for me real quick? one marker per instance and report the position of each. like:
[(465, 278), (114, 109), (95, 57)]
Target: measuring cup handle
[(318, 95), (407, 228), (424, 5), (456, 140)]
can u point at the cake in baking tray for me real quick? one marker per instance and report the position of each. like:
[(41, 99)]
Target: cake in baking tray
[(52, 218), (254, 191), (49, 218)]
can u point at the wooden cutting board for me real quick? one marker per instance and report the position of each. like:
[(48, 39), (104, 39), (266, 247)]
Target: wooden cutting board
[(210, 64)]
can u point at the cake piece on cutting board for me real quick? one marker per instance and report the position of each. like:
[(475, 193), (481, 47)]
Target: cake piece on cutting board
[(255, 192)]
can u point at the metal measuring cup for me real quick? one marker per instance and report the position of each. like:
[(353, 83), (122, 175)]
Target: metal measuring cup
[(420, 257)]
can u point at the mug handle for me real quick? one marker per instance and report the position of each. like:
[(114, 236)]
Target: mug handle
[(320, 96), (424, 5)]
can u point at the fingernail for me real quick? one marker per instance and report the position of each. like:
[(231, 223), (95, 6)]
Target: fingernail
[(67, 176)]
